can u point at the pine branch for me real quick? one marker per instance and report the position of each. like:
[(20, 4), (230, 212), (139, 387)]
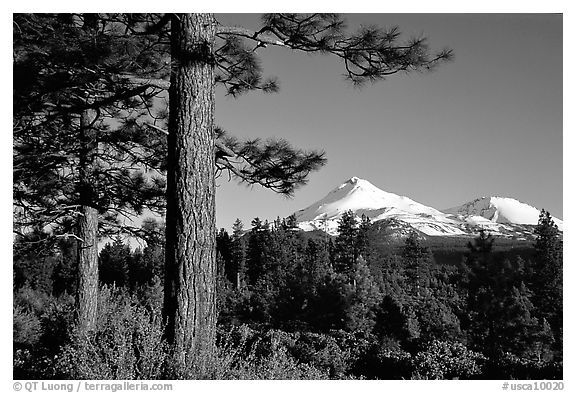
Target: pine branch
[(257, 36), (148, 82), (274, 164), (370, 54)]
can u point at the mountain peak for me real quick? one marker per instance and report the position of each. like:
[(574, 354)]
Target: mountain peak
[(499, 209), (363, 198), (356, 181), (353, 180), (499, 214)]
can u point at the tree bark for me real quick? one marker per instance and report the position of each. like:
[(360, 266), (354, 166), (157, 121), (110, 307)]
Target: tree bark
[(87, 292), (190, 266)]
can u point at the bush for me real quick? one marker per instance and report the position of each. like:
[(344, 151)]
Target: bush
[(32, 300), (127, 343), (323, 352), (447, 360), (151, 296), (246, 354), (41, 323), (509, 366), (385, 360), (27, 328)]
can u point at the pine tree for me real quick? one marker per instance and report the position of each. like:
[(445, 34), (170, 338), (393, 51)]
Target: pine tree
[(436, 320), (79, 149), (346, 244), (258, 252), (417, 260), (317, 263), (291, 222), (239, 254), (363, 297), (518, 327), (224, 251), (478, 268), (363, 237), (152, 261), (313, 280), (541, 349), (114, 262), (66, 271), (546, 282), (501, 315)]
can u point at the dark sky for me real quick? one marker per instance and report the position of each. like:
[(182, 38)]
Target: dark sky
[(487, 124)]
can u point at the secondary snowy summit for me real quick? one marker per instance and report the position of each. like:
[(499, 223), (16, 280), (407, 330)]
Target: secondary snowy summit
[(499, 210)]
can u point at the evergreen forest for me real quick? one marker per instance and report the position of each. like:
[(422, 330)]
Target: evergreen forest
[(296, 305)]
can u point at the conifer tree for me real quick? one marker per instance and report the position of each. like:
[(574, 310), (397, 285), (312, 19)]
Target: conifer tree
[(224, 255), (258, 251), (239, 254), (363, 297), (517, 329), (150, 267), (317, 262), (546, 282), (346, 244), (291, 222), (66, 271), (363, 237), (501, 315), (114, 261), (436, 320), (79, 144), (314, 281), (478, 321), (417, 260)]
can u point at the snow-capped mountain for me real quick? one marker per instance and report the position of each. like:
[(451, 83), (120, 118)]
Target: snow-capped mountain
[(501, 216), (489, 211)]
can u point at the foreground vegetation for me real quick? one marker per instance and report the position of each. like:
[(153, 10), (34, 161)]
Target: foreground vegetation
[(293, 306)]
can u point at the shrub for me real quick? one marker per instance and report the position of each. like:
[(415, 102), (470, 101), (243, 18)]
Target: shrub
[(40, 327), (279, 364), (27, 328), (247, 354), (32, 300), (447, 360), (385, 360), (510, 366), (322, 352), (151, 296), (126, 344)]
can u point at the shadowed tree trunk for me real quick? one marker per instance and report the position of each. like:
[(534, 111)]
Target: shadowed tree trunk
[(190, 282), (87, 294)]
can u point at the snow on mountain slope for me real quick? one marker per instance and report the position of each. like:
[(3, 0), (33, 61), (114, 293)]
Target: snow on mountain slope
[(499, 210), (362, 197), (500, 216), (358, 194)]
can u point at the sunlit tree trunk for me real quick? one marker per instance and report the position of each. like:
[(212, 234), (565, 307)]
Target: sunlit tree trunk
[(87, 293), (190, 282)]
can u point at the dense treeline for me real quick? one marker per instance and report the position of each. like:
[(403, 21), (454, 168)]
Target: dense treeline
[(293, 305)]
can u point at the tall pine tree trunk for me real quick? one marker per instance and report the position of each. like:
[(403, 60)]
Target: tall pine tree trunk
[(87, 292), (190, 281)]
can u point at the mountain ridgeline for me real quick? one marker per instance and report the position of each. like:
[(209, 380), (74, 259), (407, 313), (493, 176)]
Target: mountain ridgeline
[(502, 217)]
